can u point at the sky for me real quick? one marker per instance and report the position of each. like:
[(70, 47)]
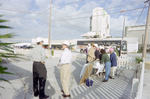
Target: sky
[(69, 18)]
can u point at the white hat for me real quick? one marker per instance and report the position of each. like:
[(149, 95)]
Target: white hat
[(96, 45), (39, 39), (89, 44), (101, 47), (66, 43)]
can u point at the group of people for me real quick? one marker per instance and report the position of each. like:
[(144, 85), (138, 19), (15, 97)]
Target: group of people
[(105, 56), (37, 55)]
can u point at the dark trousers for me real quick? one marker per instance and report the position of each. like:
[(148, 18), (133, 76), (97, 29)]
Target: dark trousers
[(39, 78), (87, 59)]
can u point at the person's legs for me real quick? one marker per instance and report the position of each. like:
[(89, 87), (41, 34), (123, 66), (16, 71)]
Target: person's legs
[(86, 58), (113, 71), (35, 80), (42, 79), (65, 75), (61, 76), (107, 70), (42, 86)]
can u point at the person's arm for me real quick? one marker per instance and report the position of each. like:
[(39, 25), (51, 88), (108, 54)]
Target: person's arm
[(43, 56), (102, 60)]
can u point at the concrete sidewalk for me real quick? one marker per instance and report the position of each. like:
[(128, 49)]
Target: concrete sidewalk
[(21, 88), (146, 86)]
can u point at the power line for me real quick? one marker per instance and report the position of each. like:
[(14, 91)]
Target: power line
[(67, 4), (81, 18), (57, 6), (106, 8), (48, 9), (32, 27), (8, 9), (138, 17), (44, 7), (100, 15), (25, 3)]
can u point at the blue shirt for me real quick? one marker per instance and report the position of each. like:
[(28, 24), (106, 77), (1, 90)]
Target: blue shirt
[(113, 59)]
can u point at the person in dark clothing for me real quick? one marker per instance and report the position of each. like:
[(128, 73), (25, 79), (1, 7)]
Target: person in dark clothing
[(37, 55), (113, 60), (97, 53), (100, 56)]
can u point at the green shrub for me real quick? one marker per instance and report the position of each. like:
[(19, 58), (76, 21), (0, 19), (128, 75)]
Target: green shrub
[(138, 59), (52, 52), (140, 50)]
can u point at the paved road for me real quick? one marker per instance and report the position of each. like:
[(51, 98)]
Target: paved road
[(118, 88)]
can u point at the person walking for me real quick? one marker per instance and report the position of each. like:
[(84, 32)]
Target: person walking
[(91, 55), (37, 55), (65, 68), (105, 59), (113, 60)]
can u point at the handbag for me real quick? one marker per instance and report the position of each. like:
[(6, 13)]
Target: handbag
[(89, 82)]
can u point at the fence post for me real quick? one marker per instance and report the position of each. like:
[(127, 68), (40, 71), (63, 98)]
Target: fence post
[(142, 79)]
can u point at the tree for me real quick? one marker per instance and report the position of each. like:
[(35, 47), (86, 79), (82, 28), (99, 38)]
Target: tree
[(6, 50)]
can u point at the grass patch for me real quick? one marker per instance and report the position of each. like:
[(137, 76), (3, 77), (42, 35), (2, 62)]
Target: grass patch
[(147, 65)]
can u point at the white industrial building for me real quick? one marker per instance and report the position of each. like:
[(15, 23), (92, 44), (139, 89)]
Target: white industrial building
[(139, 32), (99, 24)]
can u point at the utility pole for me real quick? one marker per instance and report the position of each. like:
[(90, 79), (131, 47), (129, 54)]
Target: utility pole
[(36, 36), (146, 31), (36, 33), (49, 25), (123, 29), (142, 40), (122, 35)]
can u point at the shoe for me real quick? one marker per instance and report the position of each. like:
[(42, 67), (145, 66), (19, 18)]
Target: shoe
[(36, 94), (65, 95), (62, 91), (110, 77), (91, 74), (45, 97), (99, 74), (104, 81)]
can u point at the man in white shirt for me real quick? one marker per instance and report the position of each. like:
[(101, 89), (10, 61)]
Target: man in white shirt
[(37, 55), (65, 68)]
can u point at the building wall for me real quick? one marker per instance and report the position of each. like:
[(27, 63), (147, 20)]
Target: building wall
[(137, 31), (132, 44), (101, 22)]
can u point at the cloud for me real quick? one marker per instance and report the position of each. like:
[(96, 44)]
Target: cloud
[(67, 29)]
